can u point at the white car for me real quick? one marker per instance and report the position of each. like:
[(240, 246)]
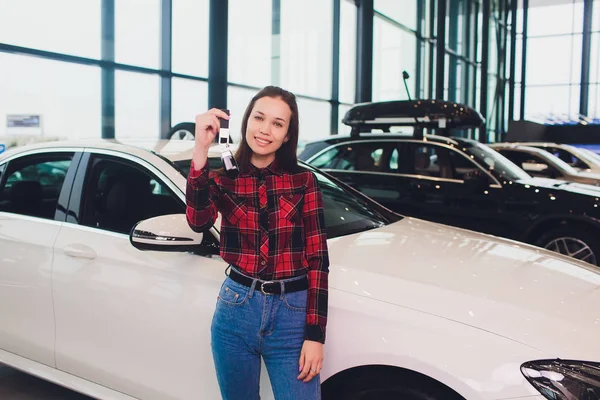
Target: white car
[(577, 157), (417, 311), (541, 163)]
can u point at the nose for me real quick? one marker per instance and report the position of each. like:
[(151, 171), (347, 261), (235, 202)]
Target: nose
[(265, 128)]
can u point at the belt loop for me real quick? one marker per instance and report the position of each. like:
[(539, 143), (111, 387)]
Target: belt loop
[(227, 269), (282, 285), (252, 288)]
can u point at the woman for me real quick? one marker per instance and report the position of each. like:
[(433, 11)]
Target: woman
[(273, 304)]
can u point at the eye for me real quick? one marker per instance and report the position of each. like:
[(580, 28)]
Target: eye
[(258, 118), (279, 124)]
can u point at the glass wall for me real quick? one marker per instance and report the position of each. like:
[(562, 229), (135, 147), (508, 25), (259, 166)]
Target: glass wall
[(553, 63)]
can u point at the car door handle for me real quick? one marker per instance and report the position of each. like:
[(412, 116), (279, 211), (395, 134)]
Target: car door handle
[(80, 251)]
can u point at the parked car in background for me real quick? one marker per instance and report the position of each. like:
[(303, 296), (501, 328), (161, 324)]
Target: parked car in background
[(417, 310), (538, 162), (458, 182), (576, 157)]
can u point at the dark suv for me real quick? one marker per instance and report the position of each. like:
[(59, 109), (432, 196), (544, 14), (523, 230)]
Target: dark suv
[(460, 182)]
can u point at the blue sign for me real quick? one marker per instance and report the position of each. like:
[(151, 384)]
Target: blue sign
[(2, 148)]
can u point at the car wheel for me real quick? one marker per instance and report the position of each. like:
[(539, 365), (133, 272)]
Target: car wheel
[(182, 131), (572, 242)]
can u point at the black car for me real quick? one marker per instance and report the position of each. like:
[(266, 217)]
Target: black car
[(461, 182)]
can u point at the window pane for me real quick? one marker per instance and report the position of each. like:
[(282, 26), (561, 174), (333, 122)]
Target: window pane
[(314, 119), (394, 51), (404, 12), (33, 185), (66, 96), (136, 105), (545, 101), (561, 65), (595, 58), (190, 37), (51, 25), (137, 32), (124, 194), (249, 50), (347, 83), (237, 101), (343, 129), (594, 106), (541, 19), (306, 46), (189, 98)]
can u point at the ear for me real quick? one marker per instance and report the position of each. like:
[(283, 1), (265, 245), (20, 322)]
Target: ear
[(286, 139)]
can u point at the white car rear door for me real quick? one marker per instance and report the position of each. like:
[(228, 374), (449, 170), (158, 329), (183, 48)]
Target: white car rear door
[(34, 191)]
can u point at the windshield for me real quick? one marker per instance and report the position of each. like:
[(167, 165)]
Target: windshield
[(495, 162), (589, 156), (560, 164), (346, 210)]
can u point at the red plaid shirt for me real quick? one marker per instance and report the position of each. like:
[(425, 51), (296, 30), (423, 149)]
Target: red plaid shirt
[(272, 228)]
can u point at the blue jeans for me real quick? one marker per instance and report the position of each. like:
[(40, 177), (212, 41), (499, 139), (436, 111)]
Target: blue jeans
[(248, 324)]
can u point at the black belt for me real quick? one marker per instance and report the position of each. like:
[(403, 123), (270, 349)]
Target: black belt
[(270, 287)]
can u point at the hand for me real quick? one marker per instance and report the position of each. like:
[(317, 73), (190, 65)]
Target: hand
[(311, 360), (207, 127)]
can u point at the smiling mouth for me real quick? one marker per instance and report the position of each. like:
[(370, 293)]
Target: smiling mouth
[(262, 141)]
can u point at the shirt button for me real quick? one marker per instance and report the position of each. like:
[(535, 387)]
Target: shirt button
[(263, 262)]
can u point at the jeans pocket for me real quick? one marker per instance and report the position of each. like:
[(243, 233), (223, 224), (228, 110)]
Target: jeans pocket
[(296, 301), (232, 295)]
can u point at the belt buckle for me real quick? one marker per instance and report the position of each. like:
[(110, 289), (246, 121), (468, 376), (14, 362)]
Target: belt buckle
[(262, 287)]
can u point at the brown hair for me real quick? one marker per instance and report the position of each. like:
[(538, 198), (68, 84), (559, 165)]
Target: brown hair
[(286, 155)]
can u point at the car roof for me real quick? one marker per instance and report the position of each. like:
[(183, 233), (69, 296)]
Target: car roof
[(335, 139), (174, 150)]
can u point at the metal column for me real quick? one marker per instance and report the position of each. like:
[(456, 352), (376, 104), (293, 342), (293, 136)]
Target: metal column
[(364, 51), (217, 54), (166, 17), (108, 72)]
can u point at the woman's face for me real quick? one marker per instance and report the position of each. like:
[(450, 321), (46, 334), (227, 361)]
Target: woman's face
[(268, 126)]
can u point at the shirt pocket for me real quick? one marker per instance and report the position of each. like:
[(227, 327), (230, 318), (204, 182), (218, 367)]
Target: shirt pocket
[(233, 209), (290, 206)]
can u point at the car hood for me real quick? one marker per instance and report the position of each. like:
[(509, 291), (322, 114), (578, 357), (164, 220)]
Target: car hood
[(526, 294), (571, 187)]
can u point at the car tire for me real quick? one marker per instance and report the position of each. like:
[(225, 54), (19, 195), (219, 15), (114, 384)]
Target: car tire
[(183, 131), (573, 242)]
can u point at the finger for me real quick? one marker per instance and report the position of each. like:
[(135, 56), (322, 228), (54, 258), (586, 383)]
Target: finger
[(305, 370), (301, 364), (218, 113), (311, 374)]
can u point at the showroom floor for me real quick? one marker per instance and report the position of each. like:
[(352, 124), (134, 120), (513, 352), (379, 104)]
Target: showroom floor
[(15, 385)]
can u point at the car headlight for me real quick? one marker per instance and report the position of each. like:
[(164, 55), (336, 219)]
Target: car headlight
[(564, 379)]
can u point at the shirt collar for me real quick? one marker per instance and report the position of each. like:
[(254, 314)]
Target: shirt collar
[(272, 169)]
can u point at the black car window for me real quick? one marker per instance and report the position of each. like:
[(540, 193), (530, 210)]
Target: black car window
[(119, 194), (567, 157), (428, 160), (531, 163), (32, 184), (373, 157), (328, 159)]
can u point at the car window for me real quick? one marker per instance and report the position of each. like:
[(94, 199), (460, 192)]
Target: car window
[(373, 157), (327, 159), (429, 160), (32, 184), (119, 193), (531, 163)]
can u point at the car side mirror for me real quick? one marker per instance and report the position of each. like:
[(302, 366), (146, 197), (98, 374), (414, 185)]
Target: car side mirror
[(165, 233)]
